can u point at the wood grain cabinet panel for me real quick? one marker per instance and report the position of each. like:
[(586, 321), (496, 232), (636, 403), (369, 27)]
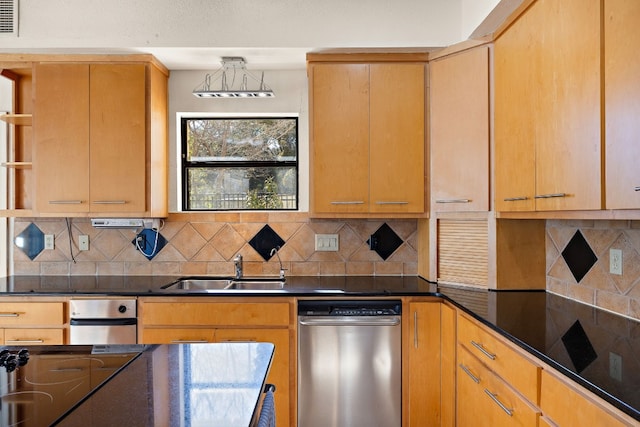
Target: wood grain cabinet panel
[(622, 103), (459, 125), (32, 313), (548, 146), (33, 336)]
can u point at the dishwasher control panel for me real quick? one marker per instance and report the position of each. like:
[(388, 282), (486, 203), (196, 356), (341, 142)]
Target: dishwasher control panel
[(349, 308)]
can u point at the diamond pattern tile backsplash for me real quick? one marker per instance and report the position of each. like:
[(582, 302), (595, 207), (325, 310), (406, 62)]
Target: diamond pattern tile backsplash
[(577, 254), (205, 244)]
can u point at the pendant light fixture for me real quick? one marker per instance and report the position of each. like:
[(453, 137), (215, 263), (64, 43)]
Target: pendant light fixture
[(232, 81)]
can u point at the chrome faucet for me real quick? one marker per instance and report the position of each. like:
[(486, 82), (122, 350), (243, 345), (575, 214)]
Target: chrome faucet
[(273, 252), (237, 261)]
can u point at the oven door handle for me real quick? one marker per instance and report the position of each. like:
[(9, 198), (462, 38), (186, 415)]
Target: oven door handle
[(349, 320), (103, 322)]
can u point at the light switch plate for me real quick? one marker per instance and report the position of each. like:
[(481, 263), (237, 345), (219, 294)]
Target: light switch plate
[(327, 243)]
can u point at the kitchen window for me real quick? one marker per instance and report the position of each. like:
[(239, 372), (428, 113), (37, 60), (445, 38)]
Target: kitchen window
[(248, 163)]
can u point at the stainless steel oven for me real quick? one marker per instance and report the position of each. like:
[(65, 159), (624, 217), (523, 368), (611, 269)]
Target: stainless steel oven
[(349, 363), (103, 321)]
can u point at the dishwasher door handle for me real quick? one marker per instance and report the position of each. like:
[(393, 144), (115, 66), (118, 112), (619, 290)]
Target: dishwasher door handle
[(349, 321)]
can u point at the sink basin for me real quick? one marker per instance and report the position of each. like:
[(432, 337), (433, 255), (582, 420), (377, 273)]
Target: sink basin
[(225, 283)]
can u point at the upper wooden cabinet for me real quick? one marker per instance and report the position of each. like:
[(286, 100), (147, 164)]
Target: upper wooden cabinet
[(367, 137), (459, 111), (622, 103), (548, 145), (100, 139)]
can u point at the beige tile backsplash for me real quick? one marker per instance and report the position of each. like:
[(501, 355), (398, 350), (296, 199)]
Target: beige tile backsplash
[(205, 244), (616, 293)]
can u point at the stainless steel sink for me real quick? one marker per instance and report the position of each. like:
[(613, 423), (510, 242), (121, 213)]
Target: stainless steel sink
[(225, 284)]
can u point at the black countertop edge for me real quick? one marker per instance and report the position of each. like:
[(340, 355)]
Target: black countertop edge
[(623, 406)]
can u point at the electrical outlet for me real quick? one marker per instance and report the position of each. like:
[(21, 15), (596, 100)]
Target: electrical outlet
[(615, 261), (615, 366), (49, 241), (83, 242)]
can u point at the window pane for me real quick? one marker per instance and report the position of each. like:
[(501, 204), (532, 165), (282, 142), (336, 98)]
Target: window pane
[(241, 140), (224, 188)]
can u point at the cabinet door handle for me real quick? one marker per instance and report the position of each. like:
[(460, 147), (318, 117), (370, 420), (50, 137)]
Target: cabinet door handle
[(347, 202), (415, 329), (65, 202), (550, 196), (9, 314), (19, 341), (189, 341), (109, 202), (483, 350), (515, 199), (468, 372), (385, 202), (494, 397), (239, 340), (453, 201)]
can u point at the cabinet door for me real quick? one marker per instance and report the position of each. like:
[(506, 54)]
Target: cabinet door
[(340, 138), (459, 109), (448, 365), (622, 103), (424, 364), (118, 138), (397, 138), (61, 135), (568, 142), (280, 366)]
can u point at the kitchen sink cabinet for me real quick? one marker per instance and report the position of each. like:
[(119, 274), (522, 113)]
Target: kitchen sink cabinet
[(460, 127), (548, 146), (424, 376), (367, 135), (175, 320), (99, 139), (622, 105)]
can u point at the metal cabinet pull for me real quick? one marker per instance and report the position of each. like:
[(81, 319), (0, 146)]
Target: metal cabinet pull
[(468, 372), (550, 196), (9, 314), (453, 201), (65, 202), (109, 202), (385, 202), (515, 199), (348, 202), (189, 341), (483, 350), (415, 329), (66, 370), (19, 341), (494, 397), (239, 340), (636, 188)]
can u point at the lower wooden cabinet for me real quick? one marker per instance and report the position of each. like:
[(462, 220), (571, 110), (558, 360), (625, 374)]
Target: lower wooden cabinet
[(448, 365), (32, 323), (33, 336)]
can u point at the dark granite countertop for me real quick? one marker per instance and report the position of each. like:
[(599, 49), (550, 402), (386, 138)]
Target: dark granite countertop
[(177, 384), (580, 341)]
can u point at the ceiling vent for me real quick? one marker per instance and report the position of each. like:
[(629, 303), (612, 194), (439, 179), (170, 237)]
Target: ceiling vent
[(8, 18)]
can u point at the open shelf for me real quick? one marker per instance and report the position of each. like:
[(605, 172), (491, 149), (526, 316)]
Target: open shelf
[(17, 119)]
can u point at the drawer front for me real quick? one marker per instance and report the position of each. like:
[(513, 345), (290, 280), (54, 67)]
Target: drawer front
[(33, 337), (565, 406), (215, 313), (31, 313), (484, 399), (176, 335), (505, 362)]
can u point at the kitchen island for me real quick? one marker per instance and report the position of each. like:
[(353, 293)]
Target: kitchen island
[(152, 385), (596, 349)]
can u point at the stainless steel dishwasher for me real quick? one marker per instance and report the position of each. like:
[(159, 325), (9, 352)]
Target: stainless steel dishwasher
[(349, 363)]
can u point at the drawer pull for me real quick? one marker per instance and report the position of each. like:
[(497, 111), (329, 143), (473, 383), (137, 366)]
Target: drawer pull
[(483, 350), (550, 196), (65, 202), (515, 199), (19, 341), (453, 201), (348, 202), (239, 340), (383, 202), (468, 372), (109, 202), (9, 314), (66, 370), (189, 341), (494, 397)]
